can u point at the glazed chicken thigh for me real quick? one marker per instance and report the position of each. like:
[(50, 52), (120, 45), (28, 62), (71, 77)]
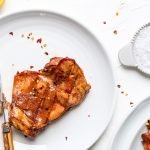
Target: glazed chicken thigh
[(40, 97)]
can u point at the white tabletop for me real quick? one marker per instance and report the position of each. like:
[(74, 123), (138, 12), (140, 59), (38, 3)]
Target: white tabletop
[(124, 16)]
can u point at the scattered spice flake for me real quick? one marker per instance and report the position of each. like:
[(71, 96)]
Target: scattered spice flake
[(126, 94), (30, 34), (42, 47), (32, 38), (28, 37), (104, 22), (89, 115), (31, 67), (12, 65), (66, 138), (39, 40), (117, 14), (22, 35), (45, 45), (122, 92), (147, 124), (115, 32), (46, 53), (131, 103), (11, 33), (119, 86)]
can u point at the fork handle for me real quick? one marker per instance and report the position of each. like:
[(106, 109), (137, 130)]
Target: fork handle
[(7, 137), (1, 107)]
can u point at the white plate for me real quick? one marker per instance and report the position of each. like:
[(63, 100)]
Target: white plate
[(64, 37), (128, 136)]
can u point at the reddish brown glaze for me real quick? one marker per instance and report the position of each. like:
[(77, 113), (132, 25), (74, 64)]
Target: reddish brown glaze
[(41, 97), (146, 141)]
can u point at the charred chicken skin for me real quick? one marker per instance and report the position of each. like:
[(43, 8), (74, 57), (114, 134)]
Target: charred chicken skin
[(40, 97)]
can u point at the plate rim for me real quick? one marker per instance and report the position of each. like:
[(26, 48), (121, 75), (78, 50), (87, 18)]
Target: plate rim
[(125, 119), (85, 28)]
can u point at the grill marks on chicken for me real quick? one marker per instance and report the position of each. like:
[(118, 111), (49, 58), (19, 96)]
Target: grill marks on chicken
[(41, 97)]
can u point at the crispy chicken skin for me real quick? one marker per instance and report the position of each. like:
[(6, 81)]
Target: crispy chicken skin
[(43, 96)]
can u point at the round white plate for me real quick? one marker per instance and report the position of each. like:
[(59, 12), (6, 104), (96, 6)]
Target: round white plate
[(64, 37), (128, 136)]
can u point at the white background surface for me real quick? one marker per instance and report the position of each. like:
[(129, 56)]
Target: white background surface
[(92, 13)]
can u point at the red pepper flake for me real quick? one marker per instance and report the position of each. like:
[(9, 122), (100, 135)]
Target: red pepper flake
[(119, 86), (89, 115), (11, 33), (31, 67), (66, 138), (46, 53), (104, 22), (39, 40), (115, 32)]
